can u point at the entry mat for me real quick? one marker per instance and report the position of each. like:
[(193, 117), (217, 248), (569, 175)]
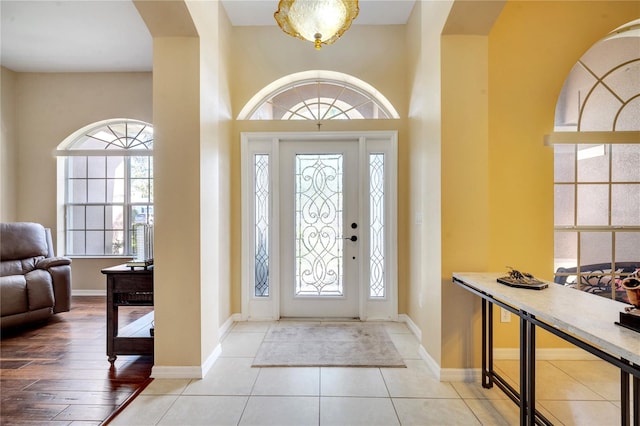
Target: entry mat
[(350, 344)]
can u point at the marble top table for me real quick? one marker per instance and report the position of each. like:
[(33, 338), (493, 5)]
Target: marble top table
[(588, 317)]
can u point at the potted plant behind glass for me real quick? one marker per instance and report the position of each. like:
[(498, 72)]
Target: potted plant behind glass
[(632, 286)]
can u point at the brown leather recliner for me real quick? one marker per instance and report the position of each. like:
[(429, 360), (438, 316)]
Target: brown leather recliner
[(34, 284)]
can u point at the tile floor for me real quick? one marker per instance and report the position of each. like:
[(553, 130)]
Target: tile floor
[(234, 393)]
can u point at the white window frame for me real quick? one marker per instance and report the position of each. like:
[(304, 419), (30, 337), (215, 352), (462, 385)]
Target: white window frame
[(65, 151)]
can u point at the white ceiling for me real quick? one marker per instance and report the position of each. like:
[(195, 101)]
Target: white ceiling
[(110, 35)]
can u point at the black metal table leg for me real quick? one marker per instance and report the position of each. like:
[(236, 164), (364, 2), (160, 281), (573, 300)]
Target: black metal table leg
[(486, 377), (531, 372), (490, 343), (624, 398), (636, 400), (524, 367), (635, 384)]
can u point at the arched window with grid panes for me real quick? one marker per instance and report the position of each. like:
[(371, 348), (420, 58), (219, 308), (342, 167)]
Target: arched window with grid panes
[(108, 191), (596, 163)]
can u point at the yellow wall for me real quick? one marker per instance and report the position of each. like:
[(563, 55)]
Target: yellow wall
[(465, 189), (499, 95), (8, 147), (532, 47)]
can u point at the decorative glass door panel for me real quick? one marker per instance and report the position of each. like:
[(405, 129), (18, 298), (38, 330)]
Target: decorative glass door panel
[(319, 235), (318, 239)]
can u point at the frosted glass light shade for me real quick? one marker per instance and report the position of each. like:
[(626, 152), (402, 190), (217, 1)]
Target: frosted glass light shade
[(318, 21)]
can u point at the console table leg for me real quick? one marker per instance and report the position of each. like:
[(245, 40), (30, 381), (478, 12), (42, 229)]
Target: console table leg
[(487, 344), (524, 366), (531, 373), (636, 400)]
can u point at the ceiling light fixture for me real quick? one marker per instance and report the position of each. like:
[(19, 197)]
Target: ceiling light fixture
[(318, 21)]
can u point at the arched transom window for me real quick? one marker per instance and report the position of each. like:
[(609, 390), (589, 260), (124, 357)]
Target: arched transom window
[(108, 191), (318, 96)]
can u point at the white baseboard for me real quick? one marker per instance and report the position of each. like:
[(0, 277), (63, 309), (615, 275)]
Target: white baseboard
[(555, 354), (469, 375), (432, 365), (177, 372), (195, 372), (552, 354), (79, 292), (224, 329), (212, 359), (475, 374), (442, 374), (412, 326), (449, 374), (186, 372)]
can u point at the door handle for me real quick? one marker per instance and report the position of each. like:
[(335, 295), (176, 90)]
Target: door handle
[(351, 238)]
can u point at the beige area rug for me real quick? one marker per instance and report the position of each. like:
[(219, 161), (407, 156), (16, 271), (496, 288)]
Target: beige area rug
[(328, 345)]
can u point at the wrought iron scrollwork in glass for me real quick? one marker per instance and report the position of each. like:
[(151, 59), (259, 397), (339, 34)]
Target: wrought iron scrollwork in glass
[(318, 239), (261, 188), (377, 228)]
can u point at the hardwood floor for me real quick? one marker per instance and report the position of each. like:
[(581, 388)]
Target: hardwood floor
[(57, 373)]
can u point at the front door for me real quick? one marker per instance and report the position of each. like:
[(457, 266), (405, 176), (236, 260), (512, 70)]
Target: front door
[(319, 229), (319, 233)]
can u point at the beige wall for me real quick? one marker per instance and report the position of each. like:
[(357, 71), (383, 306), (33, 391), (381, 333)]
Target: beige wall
[(225, 148), (214, 28), (8, 147), (424, 305), (381, 62), (191, 162), (262, 55), (50, 107), (177, 251)]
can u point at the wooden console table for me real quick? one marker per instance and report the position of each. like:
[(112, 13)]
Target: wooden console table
[(129, 287), (582, 319)]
